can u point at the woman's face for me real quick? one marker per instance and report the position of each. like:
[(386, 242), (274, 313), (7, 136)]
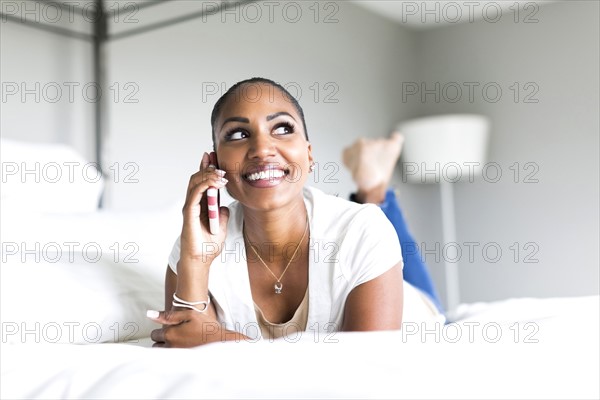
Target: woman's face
[(261, 144)]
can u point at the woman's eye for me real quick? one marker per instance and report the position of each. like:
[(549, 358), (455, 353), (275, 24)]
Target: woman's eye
[(283, 130), (236, 135)]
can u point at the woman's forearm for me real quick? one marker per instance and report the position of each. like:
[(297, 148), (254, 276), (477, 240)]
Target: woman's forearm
[(192, 280)]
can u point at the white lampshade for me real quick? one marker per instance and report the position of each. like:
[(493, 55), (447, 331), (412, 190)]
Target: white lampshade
[(447, 148)]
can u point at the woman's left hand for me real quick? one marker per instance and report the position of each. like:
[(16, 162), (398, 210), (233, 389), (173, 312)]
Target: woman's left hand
[(187, 328)]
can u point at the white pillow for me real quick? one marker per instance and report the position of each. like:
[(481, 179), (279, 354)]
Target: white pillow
[(144, 238), (47, 178), (79, 302), (56, 288)]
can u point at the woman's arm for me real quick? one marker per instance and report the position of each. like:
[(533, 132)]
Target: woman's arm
[(376, 304), (188, 328), (184, 327), (173, 285), (170, 286)]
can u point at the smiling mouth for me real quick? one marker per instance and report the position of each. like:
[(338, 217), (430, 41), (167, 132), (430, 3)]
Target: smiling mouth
[(267, 174)]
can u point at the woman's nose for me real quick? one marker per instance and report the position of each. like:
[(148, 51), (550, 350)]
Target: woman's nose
[(261, 146)]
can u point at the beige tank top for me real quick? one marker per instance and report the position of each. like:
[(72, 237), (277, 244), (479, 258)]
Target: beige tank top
[(290, 328)]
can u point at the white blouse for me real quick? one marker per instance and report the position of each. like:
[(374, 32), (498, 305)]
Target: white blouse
[(350, 244)]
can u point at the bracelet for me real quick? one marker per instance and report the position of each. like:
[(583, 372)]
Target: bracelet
[(190, 303), (178, 302)]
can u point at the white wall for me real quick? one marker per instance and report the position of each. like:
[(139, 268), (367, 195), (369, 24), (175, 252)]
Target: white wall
[(43, 76), (557, 217)]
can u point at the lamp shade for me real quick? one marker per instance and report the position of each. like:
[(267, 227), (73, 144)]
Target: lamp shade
[(447, 148)]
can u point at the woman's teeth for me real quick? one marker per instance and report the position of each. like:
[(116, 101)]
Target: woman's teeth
[(269, 174)]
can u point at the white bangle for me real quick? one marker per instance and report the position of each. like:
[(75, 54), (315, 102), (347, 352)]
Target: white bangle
[(190, 303), (178, 302)]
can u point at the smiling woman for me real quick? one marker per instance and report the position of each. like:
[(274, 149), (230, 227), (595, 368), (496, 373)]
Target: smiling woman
[(287, 258)]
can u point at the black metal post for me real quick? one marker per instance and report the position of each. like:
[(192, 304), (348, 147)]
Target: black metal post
[(100, 35)]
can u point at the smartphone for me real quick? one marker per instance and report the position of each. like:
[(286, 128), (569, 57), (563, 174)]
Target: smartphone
[(213, 209), (212, 197)]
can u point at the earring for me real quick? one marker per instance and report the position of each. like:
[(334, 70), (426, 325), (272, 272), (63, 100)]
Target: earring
[(311, 168)]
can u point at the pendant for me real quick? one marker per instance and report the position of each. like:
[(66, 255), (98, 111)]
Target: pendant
[(278, 286)]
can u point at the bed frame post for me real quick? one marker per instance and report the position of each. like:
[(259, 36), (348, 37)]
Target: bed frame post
[(99, 39)]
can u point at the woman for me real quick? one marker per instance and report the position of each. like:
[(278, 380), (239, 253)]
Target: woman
[(251, 280)]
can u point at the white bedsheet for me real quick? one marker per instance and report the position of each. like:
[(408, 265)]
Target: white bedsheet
[(559, 360), (518, 348)]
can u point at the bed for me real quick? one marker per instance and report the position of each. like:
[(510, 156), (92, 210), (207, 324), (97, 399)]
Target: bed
[(76, 283), (562, 364)]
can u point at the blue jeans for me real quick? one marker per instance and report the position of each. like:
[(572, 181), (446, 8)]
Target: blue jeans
[(415, 271)]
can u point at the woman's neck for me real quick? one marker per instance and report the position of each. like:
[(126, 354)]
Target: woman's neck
[(276, 230)]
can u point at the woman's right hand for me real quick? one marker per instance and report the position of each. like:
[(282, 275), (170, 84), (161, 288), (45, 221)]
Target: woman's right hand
[(198, 245)]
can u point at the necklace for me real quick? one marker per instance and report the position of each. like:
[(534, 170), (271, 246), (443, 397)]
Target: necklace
[(278, 285)]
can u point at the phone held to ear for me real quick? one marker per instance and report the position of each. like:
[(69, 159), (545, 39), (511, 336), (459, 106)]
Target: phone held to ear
[(212, 197), (213, 209)]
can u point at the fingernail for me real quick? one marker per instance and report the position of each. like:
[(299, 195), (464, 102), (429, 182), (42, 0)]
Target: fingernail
[(223, 181), (220, 172), (152, 314)]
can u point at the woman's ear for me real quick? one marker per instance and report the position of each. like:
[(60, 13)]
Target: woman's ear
[(310, 156)]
